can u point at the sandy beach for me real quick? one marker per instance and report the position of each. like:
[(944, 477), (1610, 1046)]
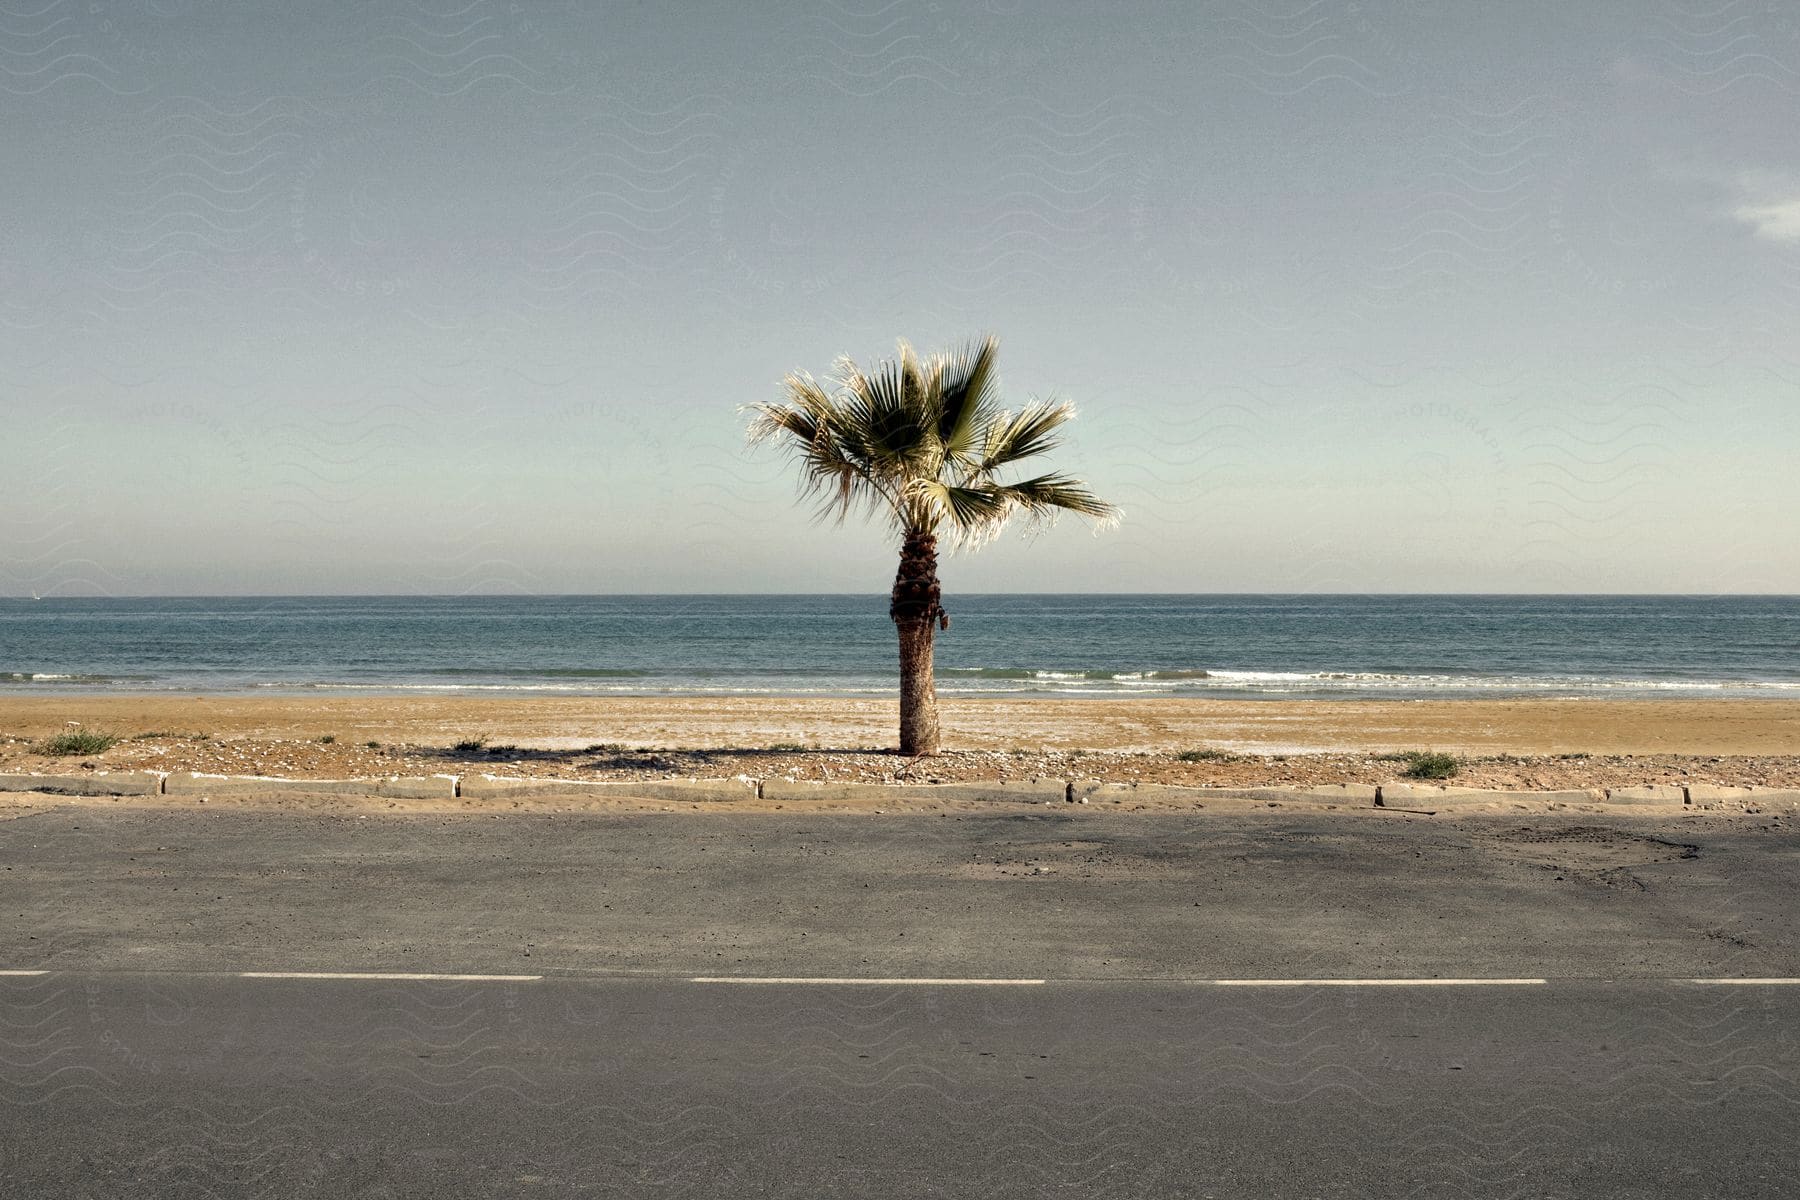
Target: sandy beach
[(1543, 743)]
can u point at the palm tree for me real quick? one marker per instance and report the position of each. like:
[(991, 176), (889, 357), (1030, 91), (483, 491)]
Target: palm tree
[(922, 443)]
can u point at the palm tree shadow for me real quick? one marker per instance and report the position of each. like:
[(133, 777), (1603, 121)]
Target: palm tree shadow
[(618, 758)]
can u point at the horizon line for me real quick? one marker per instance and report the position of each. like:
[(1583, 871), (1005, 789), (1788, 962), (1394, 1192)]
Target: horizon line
[(1773, 595)]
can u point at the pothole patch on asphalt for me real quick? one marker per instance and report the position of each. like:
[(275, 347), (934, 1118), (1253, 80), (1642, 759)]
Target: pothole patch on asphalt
[(1077, 858), (1592, 851)]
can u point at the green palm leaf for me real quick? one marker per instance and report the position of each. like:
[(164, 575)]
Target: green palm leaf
[(922, 442), (1032, 432), (1048, 495), (966, 404)]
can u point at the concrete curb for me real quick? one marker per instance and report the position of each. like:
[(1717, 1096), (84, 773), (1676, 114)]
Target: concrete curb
[(1706, 796), (500, 787), (101, 783), (1029, 790), (1418, 795), (418, 787), (1661, 793), (1359, 795)]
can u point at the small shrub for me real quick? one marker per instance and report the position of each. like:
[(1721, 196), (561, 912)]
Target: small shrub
[(1429, 764), (1207, 755), (326, 739), (373, 745), (470, 745), (502, 749), (79, 741), (604, 748), (785, 747)]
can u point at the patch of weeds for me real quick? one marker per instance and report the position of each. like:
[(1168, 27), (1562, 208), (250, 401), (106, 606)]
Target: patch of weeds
[(79, 741), (1429, 764), (1207, 755), (1579, 754), (325, 739), (150, 737), (785, 747), (201, 737), (470, 745), (604, 748), (502, 749), (638, 760), (373, 745)]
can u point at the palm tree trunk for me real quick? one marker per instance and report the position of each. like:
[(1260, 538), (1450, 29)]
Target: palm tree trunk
[(915, 609)]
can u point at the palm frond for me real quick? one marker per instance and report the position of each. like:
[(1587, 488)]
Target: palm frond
[(966, 405), (878, 413), (969, 515), (809, 407), (834, 467), (1044, 496), (1030, 432), (923, 442)]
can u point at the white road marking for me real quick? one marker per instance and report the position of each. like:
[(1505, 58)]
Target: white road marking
[(404, 976), (1375, 982), (885, 982), (865, 981)]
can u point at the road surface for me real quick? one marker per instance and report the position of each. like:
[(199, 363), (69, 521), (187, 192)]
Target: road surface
[(1033, 1002)]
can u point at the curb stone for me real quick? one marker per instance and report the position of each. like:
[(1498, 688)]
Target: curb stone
[(1012, 789), (1395, 795), (1361, 795), (123, 783), (1658, 793), (500, 787), (418, 787), (1709, 796)]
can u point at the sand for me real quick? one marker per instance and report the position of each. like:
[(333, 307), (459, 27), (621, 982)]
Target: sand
[(1261, 726), (1510, 743)]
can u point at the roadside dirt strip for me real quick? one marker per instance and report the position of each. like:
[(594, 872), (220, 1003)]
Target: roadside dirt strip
[(510, 790)]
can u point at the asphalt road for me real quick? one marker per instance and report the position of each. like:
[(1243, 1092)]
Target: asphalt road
[(143, 1062)]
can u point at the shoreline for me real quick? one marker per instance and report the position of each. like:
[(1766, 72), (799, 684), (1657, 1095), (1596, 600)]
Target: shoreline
[(952, 684)]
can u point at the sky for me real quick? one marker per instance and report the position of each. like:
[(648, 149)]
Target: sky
[(467, 296)]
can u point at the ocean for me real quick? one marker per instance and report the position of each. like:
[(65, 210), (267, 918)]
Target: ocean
[(998, 645)]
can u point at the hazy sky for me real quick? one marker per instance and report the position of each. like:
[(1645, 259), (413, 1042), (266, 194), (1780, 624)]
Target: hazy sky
[(464, 296)]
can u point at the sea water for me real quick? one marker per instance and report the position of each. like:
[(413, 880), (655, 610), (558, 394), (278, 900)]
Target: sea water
[(1017, 645)]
